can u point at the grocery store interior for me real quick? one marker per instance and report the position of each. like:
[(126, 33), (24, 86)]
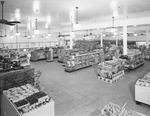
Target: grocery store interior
[(75, 58)]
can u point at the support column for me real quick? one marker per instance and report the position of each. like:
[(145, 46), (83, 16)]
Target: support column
[(71, 40), (147, 38), (125, 38), (116, 40), (101, 39)]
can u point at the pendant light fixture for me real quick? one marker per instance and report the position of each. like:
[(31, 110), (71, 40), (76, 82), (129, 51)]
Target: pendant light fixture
[(17, 33), (77, 25), (113, 29), (49, 34), (36, 31)]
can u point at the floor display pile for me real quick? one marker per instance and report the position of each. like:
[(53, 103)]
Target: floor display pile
[(24, 58), (25, 100), (7, 62), (112, 109), (111, 71), (134, 59), (142, 90), (64, 54), (79, 61), (39, 54)]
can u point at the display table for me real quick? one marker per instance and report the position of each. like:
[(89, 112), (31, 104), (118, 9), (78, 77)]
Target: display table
[(8, 109), (26, 100), (142, 90)]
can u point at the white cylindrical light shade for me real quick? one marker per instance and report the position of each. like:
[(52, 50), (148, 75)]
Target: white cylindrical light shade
[(17, 34), (36, 31)]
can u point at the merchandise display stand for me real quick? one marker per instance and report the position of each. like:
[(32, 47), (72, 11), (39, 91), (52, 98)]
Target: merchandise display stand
[(35, 104), (142, 90), (111, 71), (83, 60), (112, 109), (134, 59)]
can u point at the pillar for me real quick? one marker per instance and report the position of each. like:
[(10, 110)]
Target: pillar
[(147, 38), (116, 36), (125, 38), (71, 39), (101, 39)]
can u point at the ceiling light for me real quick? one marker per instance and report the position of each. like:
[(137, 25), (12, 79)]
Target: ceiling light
[(29, 36), (49, 34), (46, 36), (12, 36), (33, 36), (113, 30), (77, 25), (104, 35), (36, 31), (135, 34), (115, 33), (17, 34)]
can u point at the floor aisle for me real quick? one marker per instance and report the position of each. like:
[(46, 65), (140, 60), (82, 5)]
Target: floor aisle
[(80, 93)]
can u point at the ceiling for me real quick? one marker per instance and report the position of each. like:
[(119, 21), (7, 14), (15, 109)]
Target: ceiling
[(59, 10)]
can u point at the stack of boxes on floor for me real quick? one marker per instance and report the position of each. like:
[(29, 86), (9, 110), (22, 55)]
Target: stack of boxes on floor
[(111, 71)]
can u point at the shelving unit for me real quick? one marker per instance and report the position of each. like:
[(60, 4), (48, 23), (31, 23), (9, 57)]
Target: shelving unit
[(112, 109), (111, 71), (142, 90), (80, 61), (134, 59)]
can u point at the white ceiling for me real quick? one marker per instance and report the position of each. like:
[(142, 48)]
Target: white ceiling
[(59, 10)]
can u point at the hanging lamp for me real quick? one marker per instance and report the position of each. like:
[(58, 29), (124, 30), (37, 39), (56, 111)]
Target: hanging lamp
[(36, 31), (17, 33), (113, 29), (77, 25)]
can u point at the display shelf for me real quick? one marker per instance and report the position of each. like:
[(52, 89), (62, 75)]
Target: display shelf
[(147, 54), (111, 71), (44, 106), (142, 90), (134, 59), (81, 61), (41, 54), (112, 109)]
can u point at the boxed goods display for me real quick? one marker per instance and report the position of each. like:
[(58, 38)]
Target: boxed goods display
[(134, 59), (111, 71), (112, 109), (142, 88), (26, 98)]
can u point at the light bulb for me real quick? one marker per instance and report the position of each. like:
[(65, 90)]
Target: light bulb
[(49, 34), (77, 26), (33, 36), (17, 34), (113, 30), (36, 31), (135, 34), (12, 36)]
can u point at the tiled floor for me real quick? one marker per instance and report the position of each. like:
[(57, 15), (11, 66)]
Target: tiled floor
[(80, 93)]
